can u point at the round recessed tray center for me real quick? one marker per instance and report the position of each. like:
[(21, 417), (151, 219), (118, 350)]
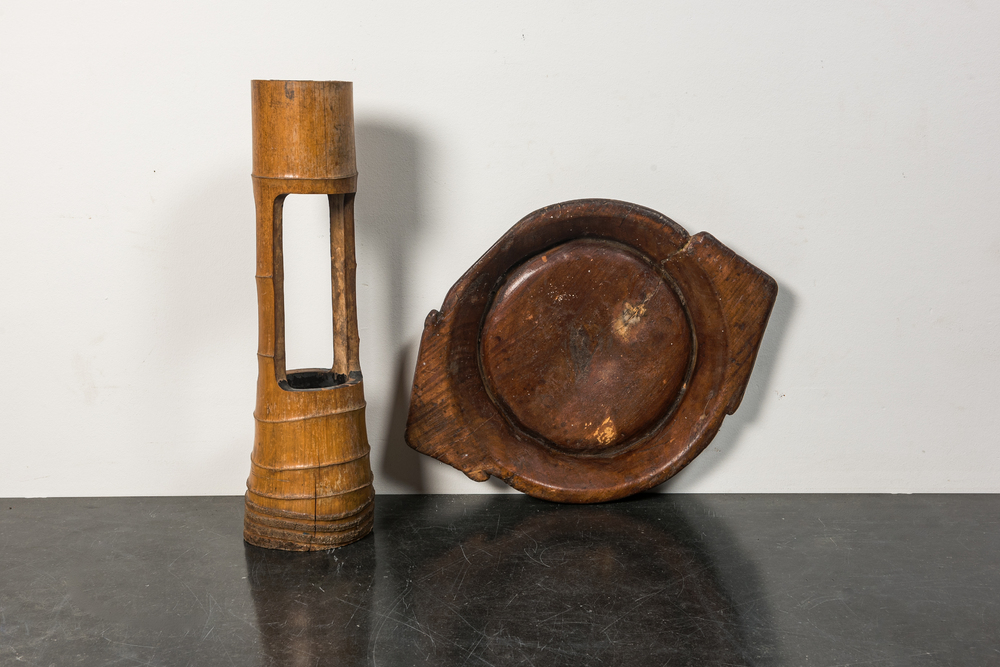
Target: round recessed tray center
[(586, 346)]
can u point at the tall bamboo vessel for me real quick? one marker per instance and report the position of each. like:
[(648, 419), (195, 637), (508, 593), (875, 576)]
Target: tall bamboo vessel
[(310, 484)]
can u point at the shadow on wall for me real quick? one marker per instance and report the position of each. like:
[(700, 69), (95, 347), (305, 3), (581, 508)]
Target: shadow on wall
[(389, 220), (759, 386)]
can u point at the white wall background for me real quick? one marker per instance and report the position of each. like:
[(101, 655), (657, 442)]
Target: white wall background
[(849, 149)]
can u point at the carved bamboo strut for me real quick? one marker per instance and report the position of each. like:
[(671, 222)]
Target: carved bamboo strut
[(310, 484)]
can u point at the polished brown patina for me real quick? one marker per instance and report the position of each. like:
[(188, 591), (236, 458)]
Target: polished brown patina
[(590, 354), (602, 370)]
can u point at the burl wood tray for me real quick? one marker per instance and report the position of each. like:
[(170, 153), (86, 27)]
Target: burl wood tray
[(590, 354)]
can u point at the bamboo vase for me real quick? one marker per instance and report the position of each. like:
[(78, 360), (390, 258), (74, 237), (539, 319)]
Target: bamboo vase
[(310, 485)]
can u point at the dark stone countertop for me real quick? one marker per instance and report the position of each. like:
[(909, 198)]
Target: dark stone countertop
[(507, 580)]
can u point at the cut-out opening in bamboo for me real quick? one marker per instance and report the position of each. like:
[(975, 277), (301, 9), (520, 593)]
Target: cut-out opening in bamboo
[(307, 284)]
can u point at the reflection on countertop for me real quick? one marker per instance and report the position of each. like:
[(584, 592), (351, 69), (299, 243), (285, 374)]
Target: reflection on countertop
[(508, 583)]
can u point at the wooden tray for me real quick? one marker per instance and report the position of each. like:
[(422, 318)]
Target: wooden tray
[(590, 354)]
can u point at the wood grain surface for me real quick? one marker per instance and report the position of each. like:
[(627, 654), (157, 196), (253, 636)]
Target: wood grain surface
[(577, 325), (310, 484), (590, 354)]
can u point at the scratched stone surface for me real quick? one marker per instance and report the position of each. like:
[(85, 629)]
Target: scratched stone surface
[(509, 580)]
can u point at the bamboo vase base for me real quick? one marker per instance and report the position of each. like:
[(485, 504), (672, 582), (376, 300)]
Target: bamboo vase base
[(276, 529)]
